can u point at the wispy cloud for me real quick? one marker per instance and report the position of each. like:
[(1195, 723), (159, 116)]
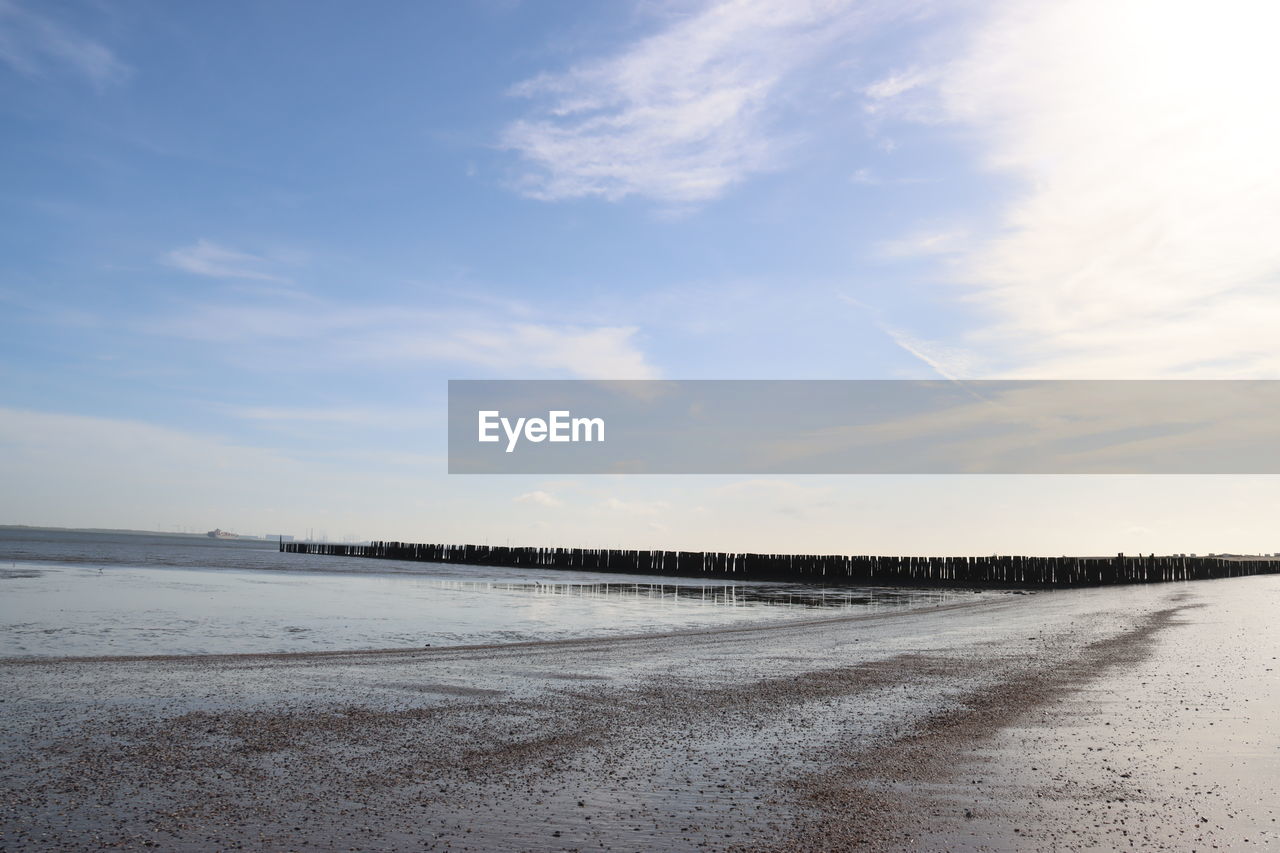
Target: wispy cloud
[(540, 498), (400, 337), (35, 45), (277, 413), (923, 243), (900, 90), (210, 259), (333, 416), (683, 114), (948, 361), (596, 352), (1142, 242)]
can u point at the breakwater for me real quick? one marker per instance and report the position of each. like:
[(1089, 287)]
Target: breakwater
[(1011, 571)]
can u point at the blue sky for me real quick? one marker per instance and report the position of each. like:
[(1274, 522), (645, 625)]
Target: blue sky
[(246, 245)]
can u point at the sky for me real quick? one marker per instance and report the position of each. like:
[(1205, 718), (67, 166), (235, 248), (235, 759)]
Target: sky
[(245, 245)]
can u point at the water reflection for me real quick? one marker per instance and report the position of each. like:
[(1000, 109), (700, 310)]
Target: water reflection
[(728, 595), (98, 594)]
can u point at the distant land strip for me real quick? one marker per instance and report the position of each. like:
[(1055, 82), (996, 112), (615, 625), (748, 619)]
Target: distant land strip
[(997, 571)]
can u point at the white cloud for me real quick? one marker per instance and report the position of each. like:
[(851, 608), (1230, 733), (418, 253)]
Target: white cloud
[(947, 361), (287, 417), (1143, 241), (540, 498), (279, 413), (407, 337), (683, 114), (923, 243), (602, 352), (210, 259), (895, 84), (33, 44), (907, 92)]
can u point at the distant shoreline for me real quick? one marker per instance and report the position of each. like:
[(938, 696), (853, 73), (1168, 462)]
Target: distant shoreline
[(129, 532)]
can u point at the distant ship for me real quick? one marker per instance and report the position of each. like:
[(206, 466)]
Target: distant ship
[(219, 533)]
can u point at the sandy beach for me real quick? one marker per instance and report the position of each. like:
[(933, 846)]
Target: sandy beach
[(1131, 717)]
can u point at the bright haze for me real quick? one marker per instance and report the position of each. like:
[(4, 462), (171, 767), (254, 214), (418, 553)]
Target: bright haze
[(246, 244)]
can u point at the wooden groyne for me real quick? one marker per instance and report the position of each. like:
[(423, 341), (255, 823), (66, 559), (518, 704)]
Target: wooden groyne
[(820, 568)]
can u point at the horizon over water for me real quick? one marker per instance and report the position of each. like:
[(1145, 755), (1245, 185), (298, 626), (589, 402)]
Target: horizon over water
[(88, 593)]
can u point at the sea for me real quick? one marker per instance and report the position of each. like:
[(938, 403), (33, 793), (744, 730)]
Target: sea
[(83, 593)]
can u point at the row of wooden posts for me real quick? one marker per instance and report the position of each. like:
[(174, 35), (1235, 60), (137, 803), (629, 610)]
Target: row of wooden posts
[(819, 568)]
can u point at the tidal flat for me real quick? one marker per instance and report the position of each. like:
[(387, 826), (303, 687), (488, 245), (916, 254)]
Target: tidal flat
[(1130, 717)]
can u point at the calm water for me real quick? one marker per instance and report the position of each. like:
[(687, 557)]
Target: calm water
[(82, 593)]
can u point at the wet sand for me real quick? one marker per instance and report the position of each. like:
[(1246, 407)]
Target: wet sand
[(1137, 717)]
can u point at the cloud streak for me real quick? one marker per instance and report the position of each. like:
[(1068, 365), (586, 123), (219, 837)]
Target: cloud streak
[(924, 243), (36, 45), (540, 498), (401, 338), (682, 115), (211, 260)]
